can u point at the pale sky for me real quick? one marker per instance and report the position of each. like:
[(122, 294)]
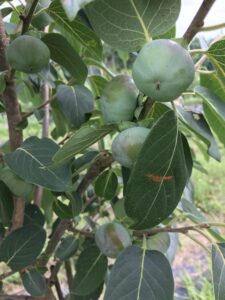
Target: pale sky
[(215, 16)]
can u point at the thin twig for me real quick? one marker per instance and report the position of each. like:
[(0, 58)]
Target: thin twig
[(27, 19), (198, 21), (198, 242), (103, 161), (69, 273), (184, 229)]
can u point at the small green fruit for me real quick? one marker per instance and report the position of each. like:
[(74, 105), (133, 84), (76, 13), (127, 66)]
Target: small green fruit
[(17, 186), (112, 238), (127, 145), (119, 99), (28, 54), (163, 70)]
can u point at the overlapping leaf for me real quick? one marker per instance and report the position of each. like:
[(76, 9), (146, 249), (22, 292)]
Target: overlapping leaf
[(34, 282), (21, 247), (214, 109), (83, 138), (31, 160), (75, 32), (129, 24), (218, 268), (140, 275), (216, 55), (72, 7), (90, 271), (159, 176), (63, 53)]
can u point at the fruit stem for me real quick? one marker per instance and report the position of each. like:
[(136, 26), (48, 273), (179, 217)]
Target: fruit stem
[(144, 242), (197, 51), (174, 107), (213, 27)]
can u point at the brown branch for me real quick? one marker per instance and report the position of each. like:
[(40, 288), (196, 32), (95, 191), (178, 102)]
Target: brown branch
[(103, 161), (27, 19), (26, 115), (53, 242), (13, 118), (81, 232), (198, 20), (184, 229)]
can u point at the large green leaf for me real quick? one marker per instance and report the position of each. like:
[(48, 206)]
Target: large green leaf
[(76, 32), (198, 125), (159, 176), (76, 102), (30, 162), (90, 271), (216, 55), (129, 24), (6, 205), (218, 268), (140, 275), (83, 138), (22, 246), (214, 109), (65, 55), (34, 283)]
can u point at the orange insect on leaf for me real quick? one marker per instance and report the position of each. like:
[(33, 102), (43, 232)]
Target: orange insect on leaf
[(158, 178)]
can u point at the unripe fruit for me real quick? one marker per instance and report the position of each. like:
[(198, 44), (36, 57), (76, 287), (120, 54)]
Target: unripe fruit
[(163, 70), (28, 54), (42, 19), (112, 238), (119, 99), (127, 145), (17, 186)]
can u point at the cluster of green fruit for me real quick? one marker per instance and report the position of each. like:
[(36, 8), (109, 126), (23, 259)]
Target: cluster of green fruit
[(163, 70)]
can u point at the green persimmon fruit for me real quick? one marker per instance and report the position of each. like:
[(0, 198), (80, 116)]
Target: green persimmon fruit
[(127, 145), (41, 19), (112, 238), (119, 99), (17, 186), (163, 70), (28, 54)]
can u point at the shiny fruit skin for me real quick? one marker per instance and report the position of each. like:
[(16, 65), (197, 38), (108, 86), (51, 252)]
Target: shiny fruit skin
[(127, 145), (163, 70), (28, 54), (112, 238), (119, 100)]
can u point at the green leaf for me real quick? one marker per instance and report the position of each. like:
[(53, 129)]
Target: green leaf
[(106, 185), (129, 24), (92, 296), (198, 125), (72, 7), (59, 120), (76, 102), (65, 55), (214, 82), (67, 248), (62, 210), (140, 275), (6, 205), (22, 246), (34, 283), (159, 242), (214, 109), (159, 176), (76, 32), (30, 162), (216, 55), (218, 269), (90, 271), (33, 215), (82, 139)]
